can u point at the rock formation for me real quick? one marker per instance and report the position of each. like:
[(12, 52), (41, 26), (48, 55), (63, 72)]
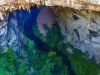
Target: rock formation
[(77, 26), (9, 33), (74, 27)]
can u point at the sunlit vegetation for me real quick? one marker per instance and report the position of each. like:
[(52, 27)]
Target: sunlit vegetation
[(9, 64), (83, 66)]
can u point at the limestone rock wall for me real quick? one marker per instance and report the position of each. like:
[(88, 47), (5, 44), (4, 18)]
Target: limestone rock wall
[(73, 23), (9, 33), (74, 27)]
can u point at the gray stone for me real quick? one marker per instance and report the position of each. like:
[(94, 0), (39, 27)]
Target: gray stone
[(87, 43), (96, 39), (8, 33)]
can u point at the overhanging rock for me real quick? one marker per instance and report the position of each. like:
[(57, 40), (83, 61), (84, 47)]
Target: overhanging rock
[(76, 4)]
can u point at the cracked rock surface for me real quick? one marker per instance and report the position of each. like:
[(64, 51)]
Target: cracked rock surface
[(8, 33), (74, 27)]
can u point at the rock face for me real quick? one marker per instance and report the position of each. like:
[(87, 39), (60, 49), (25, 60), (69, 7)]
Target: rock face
[(3, 30), (12, 29), (9, 35), (73, 24), (74, 27), (45, 17)]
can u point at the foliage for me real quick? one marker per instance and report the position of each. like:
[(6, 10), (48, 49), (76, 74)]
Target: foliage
[(51, 54), (3, 72), (9, 65), (32, 60), (6, 66), (46, 69), (10, 56), (37, 32), (80, 64), (45, 63), (83, 66), (22, 69), (54, 36)]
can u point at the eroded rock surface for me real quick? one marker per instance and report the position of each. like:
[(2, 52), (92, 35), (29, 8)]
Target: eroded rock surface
[(74, 26), (8, 32)]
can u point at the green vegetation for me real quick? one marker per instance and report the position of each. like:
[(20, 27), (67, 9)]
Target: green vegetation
[(44, 63), (54, 36), (80, 64), (10, 56), (9, 64), (37, 32), (83, 66), (36, 62)]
